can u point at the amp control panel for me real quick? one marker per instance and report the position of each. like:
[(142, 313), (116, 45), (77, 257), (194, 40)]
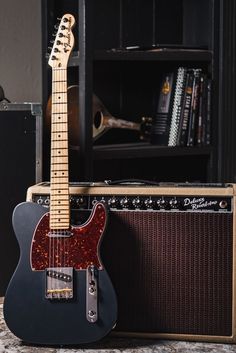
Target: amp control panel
[(146, 202)]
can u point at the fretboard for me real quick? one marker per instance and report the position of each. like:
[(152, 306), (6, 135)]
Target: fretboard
[(59, 194)]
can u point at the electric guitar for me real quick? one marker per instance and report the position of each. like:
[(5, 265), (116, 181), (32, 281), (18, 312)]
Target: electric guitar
[(60, 293)]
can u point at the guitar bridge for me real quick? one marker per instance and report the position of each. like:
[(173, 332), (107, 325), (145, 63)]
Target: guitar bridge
[(59, 283)]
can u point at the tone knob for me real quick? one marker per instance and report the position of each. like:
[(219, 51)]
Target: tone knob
[(137, 203), (162, 204), (149, 203), (125, 203)]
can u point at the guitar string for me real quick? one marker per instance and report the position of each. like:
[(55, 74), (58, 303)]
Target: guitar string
[(52, 203)]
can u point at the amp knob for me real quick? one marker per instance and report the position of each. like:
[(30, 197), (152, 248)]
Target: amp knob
[(173, 203), (149, 203), (137, 203), (125, 203), (162, 204), (113, 202)]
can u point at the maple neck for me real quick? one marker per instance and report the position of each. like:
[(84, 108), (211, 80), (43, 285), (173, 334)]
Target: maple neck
[(59, 194)]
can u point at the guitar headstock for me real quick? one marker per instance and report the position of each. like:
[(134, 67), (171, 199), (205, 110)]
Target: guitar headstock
[(63, 44)]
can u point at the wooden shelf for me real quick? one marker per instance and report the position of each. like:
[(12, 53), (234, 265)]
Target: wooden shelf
[(163, 54), (154, 55), (146, 150)]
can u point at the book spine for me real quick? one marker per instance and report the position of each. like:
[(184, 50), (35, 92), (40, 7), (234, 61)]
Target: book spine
[(161, 122), (200, 118), (186, 109), (177, 106), (208, 112), (194, 109)]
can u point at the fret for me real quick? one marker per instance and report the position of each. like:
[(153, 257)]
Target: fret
[(59, 193), (58, 171), (57, 161), (59, 81), (59, 103), (56, 130), (61, 147), (59, 140)]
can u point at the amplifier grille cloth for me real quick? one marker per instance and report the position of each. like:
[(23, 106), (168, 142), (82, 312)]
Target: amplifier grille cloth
[(172, 271)]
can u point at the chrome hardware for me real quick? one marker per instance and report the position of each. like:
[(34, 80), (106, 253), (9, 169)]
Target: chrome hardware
[(59, 283), (91, 294), (223, 204)]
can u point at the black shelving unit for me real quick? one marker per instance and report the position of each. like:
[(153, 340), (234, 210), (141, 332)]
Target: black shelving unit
[(193, 34)]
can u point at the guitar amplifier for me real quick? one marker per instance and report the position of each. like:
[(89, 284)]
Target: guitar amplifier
[(170, 252)]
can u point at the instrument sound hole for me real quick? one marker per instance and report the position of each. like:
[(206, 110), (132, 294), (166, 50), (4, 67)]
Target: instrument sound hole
[(97, 120)]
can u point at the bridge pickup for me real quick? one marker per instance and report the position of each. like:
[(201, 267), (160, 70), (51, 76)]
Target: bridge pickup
[(91, 294), (59, 283)]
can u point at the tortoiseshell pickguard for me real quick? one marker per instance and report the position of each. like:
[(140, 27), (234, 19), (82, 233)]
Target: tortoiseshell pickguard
[(78, 250)]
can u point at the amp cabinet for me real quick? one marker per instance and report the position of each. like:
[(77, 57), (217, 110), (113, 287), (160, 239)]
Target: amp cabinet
[(170, 252), (21, 166)]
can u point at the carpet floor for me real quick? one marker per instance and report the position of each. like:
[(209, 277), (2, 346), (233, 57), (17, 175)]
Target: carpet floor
[(11, 344)]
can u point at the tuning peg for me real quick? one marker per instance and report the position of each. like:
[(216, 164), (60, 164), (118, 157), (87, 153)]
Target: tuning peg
[(50, 48), (59, 18), (56, 26), (52, 41)]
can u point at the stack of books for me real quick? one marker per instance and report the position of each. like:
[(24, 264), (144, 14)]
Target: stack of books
[(183, 115)]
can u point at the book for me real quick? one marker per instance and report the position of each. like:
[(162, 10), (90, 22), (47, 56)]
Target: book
[(161, 121), (201, 113), (208, 112), (184, 119), (194, 108), (177, 106)]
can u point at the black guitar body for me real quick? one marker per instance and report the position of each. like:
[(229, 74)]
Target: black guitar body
[(36, 319)]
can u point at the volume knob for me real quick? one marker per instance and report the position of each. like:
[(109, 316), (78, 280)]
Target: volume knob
[(113, 202)]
